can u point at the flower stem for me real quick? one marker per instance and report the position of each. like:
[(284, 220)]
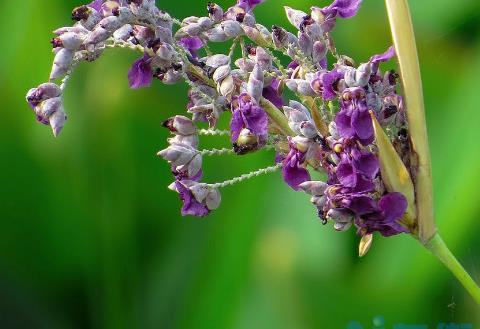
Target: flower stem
[(405, 47), (439, 249)]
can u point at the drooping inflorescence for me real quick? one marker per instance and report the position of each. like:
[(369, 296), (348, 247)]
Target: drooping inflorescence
[(327, 126)]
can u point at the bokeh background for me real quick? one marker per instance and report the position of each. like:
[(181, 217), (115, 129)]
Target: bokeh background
[(90, 237)]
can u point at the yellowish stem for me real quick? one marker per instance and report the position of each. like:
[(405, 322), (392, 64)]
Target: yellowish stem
[(404, 40)]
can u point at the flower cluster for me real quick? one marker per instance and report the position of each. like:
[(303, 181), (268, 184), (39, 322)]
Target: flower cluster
[(328, 127)]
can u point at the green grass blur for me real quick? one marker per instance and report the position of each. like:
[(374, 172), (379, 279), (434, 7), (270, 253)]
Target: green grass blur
[(90, 237)]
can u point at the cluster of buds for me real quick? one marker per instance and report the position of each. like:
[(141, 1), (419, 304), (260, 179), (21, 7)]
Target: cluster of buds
[(47, 103), (336, 124)]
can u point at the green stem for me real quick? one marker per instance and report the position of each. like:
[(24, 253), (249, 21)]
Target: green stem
[(277, 116), (439, 249)]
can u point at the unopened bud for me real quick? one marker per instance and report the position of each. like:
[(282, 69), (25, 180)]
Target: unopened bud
[(255, 83), (231, 28), (180, 125), (215, 12), (221, 73), (295, 17), (314, 187), (61, 63)]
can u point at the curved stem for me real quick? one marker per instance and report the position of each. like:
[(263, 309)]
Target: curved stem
[(439, 249)]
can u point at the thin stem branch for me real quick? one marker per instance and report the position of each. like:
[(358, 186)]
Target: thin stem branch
[(439, 249), (248, 176)]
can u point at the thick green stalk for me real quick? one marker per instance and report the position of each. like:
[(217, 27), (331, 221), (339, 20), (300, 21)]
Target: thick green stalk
[(404, 39), (406, 49), (437, 246)]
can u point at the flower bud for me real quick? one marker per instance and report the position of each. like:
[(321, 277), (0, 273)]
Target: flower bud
[(164, 34), (305, 43), (180, 125), (75, 29), (99, 34), (263, 59), (295, 17), (319, 201), (166, 52), (48, 108), (192, 167), (314, 187), (308, 129), (43, 92), (205, 22), (207, 195), (279, 37), (231, 28), (245, 64), (217, 60), (178, 154), (301, 87), (332, 129), (319, 51), (227, 87), (123, 33), (255, 83), (215, 12), (71, 40), (221, 73), (111, 23), (61, 63), (172, 76), (216, 34), (57, 121)]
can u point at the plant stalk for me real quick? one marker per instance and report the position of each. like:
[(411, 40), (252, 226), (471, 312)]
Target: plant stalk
[(439, 249), (406, 49)]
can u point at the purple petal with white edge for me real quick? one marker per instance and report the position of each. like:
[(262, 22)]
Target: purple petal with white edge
[(393, 206), (385, 57), (140, 74), (342, 8), (190, 205)]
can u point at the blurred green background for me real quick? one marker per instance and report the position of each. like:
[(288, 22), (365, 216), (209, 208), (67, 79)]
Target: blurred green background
[(90, 237)]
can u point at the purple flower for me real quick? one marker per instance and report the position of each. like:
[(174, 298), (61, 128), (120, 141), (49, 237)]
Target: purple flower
[(325, 83), (192, 44), (342, 8), (385, 57), (190, 205), (273, 94), (248, 5), (391, 207), (293, 171), (248, 116), (354, 120), (140, 74)]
